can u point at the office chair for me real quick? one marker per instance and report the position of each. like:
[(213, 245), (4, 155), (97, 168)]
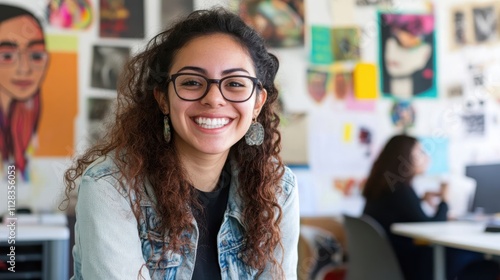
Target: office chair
[(370, 255)]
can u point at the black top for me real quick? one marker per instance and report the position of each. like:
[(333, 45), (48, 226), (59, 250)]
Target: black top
[(209, 221), (399, 206)]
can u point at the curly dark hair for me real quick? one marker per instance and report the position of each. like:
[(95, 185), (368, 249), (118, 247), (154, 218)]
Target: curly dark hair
[(150, 159)]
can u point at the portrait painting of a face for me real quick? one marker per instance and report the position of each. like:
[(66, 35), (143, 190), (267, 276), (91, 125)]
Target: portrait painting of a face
[(23, 64), (407, 52)]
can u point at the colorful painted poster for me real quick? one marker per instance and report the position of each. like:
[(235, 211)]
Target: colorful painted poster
[(38, 91), (70, 14), (345, 43), (23, 67), (317, 84), (281, 23), (121, 19), (107, 65), (403, 115), (407, 55)]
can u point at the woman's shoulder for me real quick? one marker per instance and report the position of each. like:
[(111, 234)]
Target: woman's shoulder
[(288, 184), (103, 172), (102, 166)]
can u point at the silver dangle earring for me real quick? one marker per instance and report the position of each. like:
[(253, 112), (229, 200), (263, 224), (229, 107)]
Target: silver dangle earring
[(255, 134), (166, 129)]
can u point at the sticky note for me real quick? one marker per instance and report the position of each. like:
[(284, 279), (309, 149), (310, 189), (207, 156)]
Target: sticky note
[(347, 132), (365, 81)]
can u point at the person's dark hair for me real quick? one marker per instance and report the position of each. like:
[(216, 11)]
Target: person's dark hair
[(393, 165), (9, 12), (137, 137)]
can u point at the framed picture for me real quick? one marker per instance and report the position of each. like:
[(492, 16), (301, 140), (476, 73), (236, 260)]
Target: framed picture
[(485, 22), (408, 55), (107, 65)]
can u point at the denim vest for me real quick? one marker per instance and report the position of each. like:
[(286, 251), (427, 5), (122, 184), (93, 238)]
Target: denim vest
[(110, 244)]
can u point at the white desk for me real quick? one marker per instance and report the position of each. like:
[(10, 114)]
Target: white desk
[(455, 234), (54, 255)]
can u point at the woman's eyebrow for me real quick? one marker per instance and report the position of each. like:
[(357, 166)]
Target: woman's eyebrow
[(203, 71), (36, 42), (8, 44), (232, 70)]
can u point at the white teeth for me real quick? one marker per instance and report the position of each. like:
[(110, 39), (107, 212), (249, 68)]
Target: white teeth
[(211, 123)]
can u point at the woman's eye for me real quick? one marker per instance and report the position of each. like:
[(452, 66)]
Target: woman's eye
[(37, 56), (235, 84), (6, 56), (191, 83)]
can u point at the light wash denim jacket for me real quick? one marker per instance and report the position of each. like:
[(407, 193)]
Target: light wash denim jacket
[(110, 244)]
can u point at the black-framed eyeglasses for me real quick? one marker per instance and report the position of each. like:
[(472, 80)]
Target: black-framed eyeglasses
[(193, 87)]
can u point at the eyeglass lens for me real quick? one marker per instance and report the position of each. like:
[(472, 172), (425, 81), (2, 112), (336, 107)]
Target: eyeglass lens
[(233, 88), (36, 58)]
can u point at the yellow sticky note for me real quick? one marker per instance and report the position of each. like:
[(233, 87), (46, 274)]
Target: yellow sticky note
[(365, 81), (347, 132)]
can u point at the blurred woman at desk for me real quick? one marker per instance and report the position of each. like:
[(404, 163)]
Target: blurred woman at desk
[(390, 198)]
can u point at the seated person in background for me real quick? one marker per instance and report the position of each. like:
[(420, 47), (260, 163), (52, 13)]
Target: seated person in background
[(390, 198)]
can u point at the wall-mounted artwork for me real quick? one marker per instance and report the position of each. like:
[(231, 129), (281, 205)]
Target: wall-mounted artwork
[(107, 64), (317, 84), (345, 42), (343, 85), (281, 23), (121, 19), (485, 18), (402, 115), (99, 111), (70, 14), (171, 10), (38, 91), (23, 66), (460, 31), (373, 2), (407, 55)]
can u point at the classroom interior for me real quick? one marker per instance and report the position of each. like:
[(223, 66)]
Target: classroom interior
[(342, 96)]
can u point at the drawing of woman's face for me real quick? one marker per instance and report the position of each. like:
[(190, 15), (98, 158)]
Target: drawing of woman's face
[(23, 57), (405, 54)]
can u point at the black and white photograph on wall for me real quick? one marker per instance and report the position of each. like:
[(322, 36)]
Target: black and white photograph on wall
[(107, 64), (374, 2), (485, 18), (474, 117), (99, 110), (121, 19), (172, 10), (459, 26)]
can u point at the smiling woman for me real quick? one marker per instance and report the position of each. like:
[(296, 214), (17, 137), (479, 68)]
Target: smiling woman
[(189, 183), (23, 63)]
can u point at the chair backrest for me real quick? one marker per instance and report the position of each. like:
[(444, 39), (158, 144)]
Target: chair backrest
[(370, 255)]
